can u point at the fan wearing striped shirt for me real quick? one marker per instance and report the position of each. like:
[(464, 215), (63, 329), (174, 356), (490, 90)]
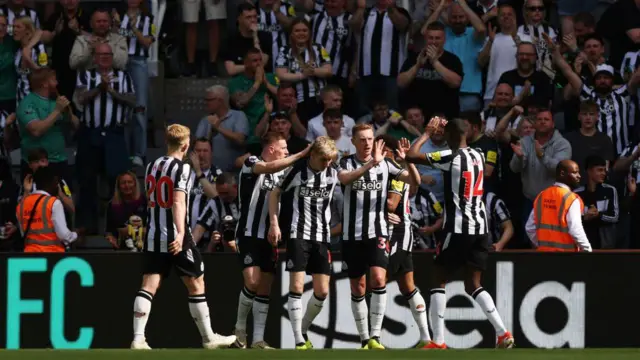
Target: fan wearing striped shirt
[(498, 220), (466, 243), (31, 56), (426, 217), (275, 18), (15, 9)]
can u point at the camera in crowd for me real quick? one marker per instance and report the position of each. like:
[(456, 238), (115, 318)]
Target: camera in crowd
[(227, 229)]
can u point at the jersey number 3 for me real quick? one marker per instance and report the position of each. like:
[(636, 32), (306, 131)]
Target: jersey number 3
[(157, 189), (477, 187)]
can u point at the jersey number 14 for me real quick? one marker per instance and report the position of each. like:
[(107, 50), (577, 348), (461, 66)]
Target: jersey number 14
[(477, 184), (157, 189)]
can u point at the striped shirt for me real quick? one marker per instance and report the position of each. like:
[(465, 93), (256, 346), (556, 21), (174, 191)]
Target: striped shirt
[(425, 211), (630, 64), (497, 213), (105, 111), (383, 49), (163, 178), (318, 6), (145, 25), (39, 57), (308, 88), (401, 234), (365, 200), (268, 23), (463, 188), (253, 193), (215, 211), (614, 114), (12, 16), (334, 34), (197, 197), (634, 168), (4, 153), (490, 119), (544, 54)]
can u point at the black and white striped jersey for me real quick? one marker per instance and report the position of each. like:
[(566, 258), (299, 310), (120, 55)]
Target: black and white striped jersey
[(12, 16), (630, 64), (4, 153), (544, 54), (312, 195), (39, 57), (383, 49), (318, 6), (425, 211), (463, 189), (634, 168), (197, 197), (144, 24), (311, 87), (614, 114), (216, 209), (491, 118), (497, 213), (163, 178), (334, 34), (365, 200), (105, 111), (401, 234), (268, 23), (253, 192)]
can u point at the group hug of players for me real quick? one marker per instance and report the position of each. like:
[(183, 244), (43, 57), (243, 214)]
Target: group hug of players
[(374, 241)]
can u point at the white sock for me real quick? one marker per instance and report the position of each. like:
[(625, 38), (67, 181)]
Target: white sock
[(489, 307), (314, 306), (245, 303), (260, 312), (419, 311), (141, 310), (378, 307), (361, 316), (436, 312), (294, 306), (200, 313)]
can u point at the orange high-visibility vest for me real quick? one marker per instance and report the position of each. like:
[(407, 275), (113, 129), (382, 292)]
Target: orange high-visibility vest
[(42, 235), (550, 216)]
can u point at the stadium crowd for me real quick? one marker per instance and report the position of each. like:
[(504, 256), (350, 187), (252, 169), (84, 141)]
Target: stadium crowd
[(537, 81)]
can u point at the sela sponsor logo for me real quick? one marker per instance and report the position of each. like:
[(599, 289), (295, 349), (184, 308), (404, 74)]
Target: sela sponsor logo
[(367, 185), (313, 192)]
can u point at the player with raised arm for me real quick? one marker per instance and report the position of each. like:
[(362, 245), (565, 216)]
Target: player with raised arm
[(258, 177), (365, 178), (465, 224), (169, 243), (312, 182)]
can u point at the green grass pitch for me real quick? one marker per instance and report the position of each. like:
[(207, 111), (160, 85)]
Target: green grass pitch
[(188, 354)]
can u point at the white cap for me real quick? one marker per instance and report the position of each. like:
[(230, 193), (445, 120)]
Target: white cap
[(604, 68)]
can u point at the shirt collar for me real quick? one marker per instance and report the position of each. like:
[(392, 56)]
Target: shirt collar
[(562, 185), (42, 192)]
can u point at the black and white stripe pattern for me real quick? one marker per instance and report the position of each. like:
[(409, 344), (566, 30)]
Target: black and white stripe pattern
[(268, 22), (253, 192), (490, 119), (216, 209), (634, 168), (39, 57), (334, 34), (383, 49), (312, 86), (630, 64), (497, 213), (105, 111), (12, 16), (312, 195), (318, 6), (197, 197), (144, 24), (401, 234), (463, 189), (365, 200), (425, 211), (614, 114), (163, 178), (4, 153), (535, 32)]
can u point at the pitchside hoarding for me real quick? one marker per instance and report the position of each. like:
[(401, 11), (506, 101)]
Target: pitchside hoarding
[(550, 300)]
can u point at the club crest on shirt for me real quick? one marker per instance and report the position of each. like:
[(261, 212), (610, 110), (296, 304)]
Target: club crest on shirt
[(268, 184)]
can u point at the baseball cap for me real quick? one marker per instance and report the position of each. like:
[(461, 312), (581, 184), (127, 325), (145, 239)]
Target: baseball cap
[(604, 68)]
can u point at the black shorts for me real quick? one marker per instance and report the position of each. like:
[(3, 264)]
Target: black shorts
[(310, 256), (400, 263), (257, 252), (457, 250), (359, 255), (188, 262)]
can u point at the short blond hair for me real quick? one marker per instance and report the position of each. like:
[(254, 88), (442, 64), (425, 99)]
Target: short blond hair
[(177, 135), (361, 127), (27, 22), (325, 147)]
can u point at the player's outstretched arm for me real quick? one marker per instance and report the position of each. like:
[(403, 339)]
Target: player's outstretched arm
[(348, 177), (414, 155), (272, 167), (274, 208)]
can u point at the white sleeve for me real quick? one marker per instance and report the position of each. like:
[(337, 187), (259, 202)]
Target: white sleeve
[(60, 224), (530, 228), (574, 221)]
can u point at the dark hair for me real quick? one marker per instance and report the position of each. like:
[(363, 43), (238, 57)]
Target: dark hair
[(5, 169), (271, 137), (593, 161), (379, 101), (454, 132), (594, 36), (37, 154), (586, 18), (226, 178), (389, 141), (472, 117), (46, 179), (279, 115), (245, 6), (589, 105), (101, 10), (201, 140), (332, 114), (252, 51), (331, 88), (436, 26)]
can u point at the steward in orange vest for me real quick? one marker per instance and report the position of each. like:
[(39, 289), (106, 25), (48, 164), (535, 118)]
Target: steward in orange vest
[(555, 224)]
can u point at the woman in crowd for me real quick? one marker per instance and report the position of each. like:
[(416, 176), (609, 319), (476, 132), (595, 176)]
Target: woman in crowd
[(127, 204), (30, 56)]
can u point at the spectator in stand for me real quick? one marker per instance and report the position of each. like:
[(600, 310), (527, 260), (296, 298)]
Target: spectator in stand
[(629, 165), (15, 9), (307, 65), (215, 10), (9, 239), (8, 78), (227, 129), (588, 141), (40, 117), (601, 207), (8, 135), (433, 71), (534, 26), (332, 121), (136, 25), (401, 127), (250, 88), (275, 18), (247, 37), (500, 106), (620, 26), (464, 42), (570, 12), (127, 201), (204, 177), (38, 158), (331, 99), (584, 24), (287, 103), (499, 221), (631, 64), (426, 214), (380, 116), (485, 145), (536, 158), (106, 97), (500, 48), (31, 56), (281, 123), (84, 47), (487, 10)]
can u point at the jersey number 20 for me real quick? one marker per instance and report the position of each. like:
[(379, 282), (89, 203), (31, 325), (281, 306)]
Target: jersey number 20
[(477, 184), (156, 189)]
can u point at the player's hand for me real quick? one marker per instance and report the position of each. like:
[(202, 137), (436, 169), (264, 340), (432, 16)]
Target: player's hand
[(113, 241), (393, 219), (428, 180), (176, 245), (497, 247), (426, 230), (274, 235), (304, 152), (403, 148), (517, 149), (378, 152)]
